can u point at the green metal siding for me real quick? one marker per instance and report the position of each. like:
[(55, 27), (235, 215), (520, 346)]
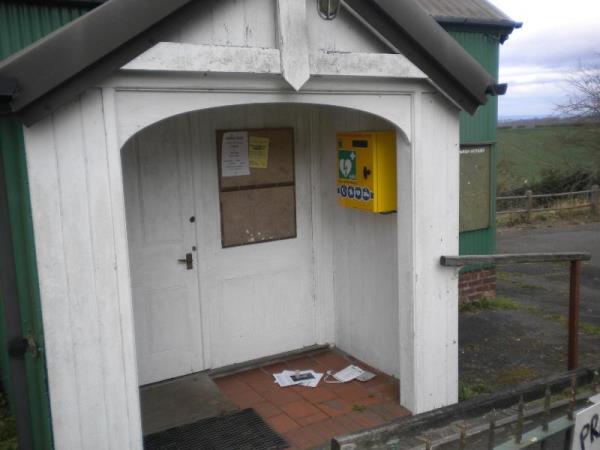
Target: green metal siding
[(15, 171), (20, 25), (481, 128)]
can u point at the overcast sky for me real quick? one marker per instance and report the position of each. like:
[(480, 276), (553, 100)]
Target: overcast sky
[(556, 36)]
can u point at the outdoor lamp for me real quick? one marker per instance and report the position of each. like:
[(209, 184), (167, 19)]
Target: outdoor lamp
[(328, 9)]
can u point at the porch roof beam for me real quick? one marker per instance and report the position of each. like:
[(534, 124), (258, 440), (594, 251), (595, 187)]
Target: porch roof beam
[(176, 57)]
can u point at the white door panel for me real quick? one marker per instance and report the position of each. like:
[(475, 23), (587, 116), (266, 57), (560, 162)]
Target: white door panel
[(159, 201), (238, 303), (259, 297)]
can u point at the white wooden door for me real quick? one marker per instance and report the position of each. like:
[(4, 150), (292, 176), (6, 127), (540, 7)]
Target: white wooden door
[(257, 300), (161, 231)]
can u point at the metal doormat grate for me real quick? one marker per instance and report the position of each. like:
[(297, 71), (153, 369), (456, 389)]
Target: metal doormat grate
[(241, 430)]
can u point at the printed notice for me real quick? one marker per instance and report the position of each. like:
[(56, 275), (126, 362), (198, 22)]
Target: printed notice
[(258, 150), (234, 154)]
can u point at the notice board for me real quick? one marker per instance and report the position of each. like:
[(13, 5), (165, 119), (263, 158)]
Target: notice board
[(475, 187), (256, 185)]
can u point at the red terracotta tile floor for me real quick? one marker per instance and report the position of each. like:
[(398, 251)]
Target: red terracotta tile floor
[(310, 417)]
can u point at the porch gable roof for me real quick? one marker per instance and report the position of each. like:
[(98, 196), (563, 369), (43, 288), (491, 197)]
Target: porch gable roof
[(57, 68)]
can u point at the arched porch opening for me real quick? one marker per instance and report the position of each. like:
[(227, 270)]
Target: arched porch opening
[(335, 281)]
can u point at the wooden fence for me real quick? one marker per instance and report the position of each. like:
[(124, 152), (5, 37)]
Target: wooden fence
[(547, 202)]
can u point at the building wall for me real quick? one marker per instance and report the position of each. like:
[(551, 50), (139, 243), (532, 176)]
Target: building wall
[(252, 23), (81, 243), (365, 265), (22, 23), (480, 128)]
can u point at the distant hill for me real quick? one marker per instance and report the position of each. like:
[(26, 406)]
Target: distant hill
[(547, 121), (529, 148)]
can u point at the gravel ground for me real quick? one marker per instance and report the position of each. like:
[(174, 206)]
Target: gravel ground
[(504, 347)]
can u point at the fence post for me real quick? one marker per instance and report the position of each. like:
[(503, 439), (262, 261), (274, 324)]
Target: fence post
[(529, 195), (574, 292), (595, 200)]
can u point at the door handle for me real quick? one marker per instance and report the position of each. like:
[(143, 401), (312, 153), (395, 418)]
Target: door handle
[(188, 261)]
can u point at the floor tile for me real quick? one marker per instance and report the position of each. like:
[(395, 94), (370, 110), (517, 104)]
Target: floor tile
[(247, 399), (282, 423), (300, 408), (267, 409), (335, 407), (309, 417), (318, 394), (281, 396)]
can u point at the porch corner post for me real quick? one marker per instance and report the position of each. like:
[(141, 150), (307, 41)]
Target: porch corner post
[(428, 193)]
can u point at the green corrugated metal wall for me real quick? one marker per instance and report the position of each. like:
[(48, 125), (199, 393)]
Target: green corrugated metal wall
[(481, 128), (20, 25)]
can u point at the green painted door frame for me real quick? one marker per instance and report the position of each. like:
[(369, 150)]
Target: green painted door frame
[(24, 278)]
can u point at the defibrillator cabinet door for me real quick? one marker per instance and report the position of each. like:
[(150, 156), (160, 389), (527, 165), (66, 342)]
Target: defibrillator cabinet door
[(355, 181), (366, 171)]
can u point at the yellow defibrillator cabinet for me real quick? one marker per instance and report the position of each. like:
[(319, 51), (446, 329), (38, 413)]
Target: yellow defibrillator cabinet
[(366, 170)]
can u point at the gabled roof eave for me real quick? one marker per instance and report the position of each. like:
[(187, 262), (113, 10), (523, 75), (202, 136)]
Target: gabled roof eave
[(94, 54)]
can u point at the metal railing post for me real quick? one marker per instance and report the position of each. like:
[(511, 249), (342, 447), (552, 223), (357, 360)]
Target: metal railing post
[(574, 294), (595, 198)]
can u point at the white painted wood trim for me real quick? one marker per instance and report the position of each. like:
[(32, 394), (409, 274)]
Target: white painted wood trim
[(162, 100), (363, 65), (44, 189), (81, 251), (127, 350), (293, 41), (171, 56), (322, 240), (176, 57), (428, 309)]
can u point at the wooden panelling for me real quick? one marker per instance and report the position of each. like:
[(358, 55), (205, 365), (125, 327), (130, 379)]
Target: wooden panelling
[(252, 216), (280, 165)]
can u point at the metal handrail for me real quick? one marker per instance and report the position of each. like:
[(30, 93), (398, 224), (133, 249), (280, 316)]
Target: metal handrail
[(575, 259)]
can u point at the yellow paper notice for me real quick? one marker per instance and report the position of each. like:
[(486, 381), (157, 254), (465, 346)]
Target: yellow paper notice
[(258, 152)]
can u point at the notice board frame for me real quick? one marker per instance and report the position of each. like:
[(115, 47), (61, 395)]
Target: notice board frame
[(475, 205), (283, 175)]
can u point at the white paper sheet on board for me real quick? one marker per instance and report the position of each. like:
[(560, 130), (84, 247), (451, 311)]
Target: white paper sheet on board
[(234, 154)]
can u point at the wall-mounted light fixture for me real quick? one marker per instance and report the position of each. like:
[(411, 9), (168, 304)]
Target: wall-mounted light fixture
[(328, 9)]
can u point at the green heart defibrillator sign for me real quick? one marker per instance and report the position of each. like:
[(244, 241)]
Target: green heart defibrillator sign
[(347, 164)]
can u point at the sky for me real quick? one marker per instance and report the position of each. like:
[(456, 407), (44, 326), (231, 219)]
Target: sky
[(557, 36)]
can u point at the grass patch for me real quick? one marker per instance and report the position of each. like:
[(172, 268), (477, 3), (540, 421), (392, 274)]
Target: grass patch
[(589, 329), (531, 286), (516, 375), (508, 377), (488, 304), (584, 327), (467, 391), (516, 279), (508, 276), (558, 318)]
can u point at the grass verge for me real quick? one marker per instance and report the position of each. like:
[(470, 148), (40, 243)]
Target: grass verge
[(487, 304)]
